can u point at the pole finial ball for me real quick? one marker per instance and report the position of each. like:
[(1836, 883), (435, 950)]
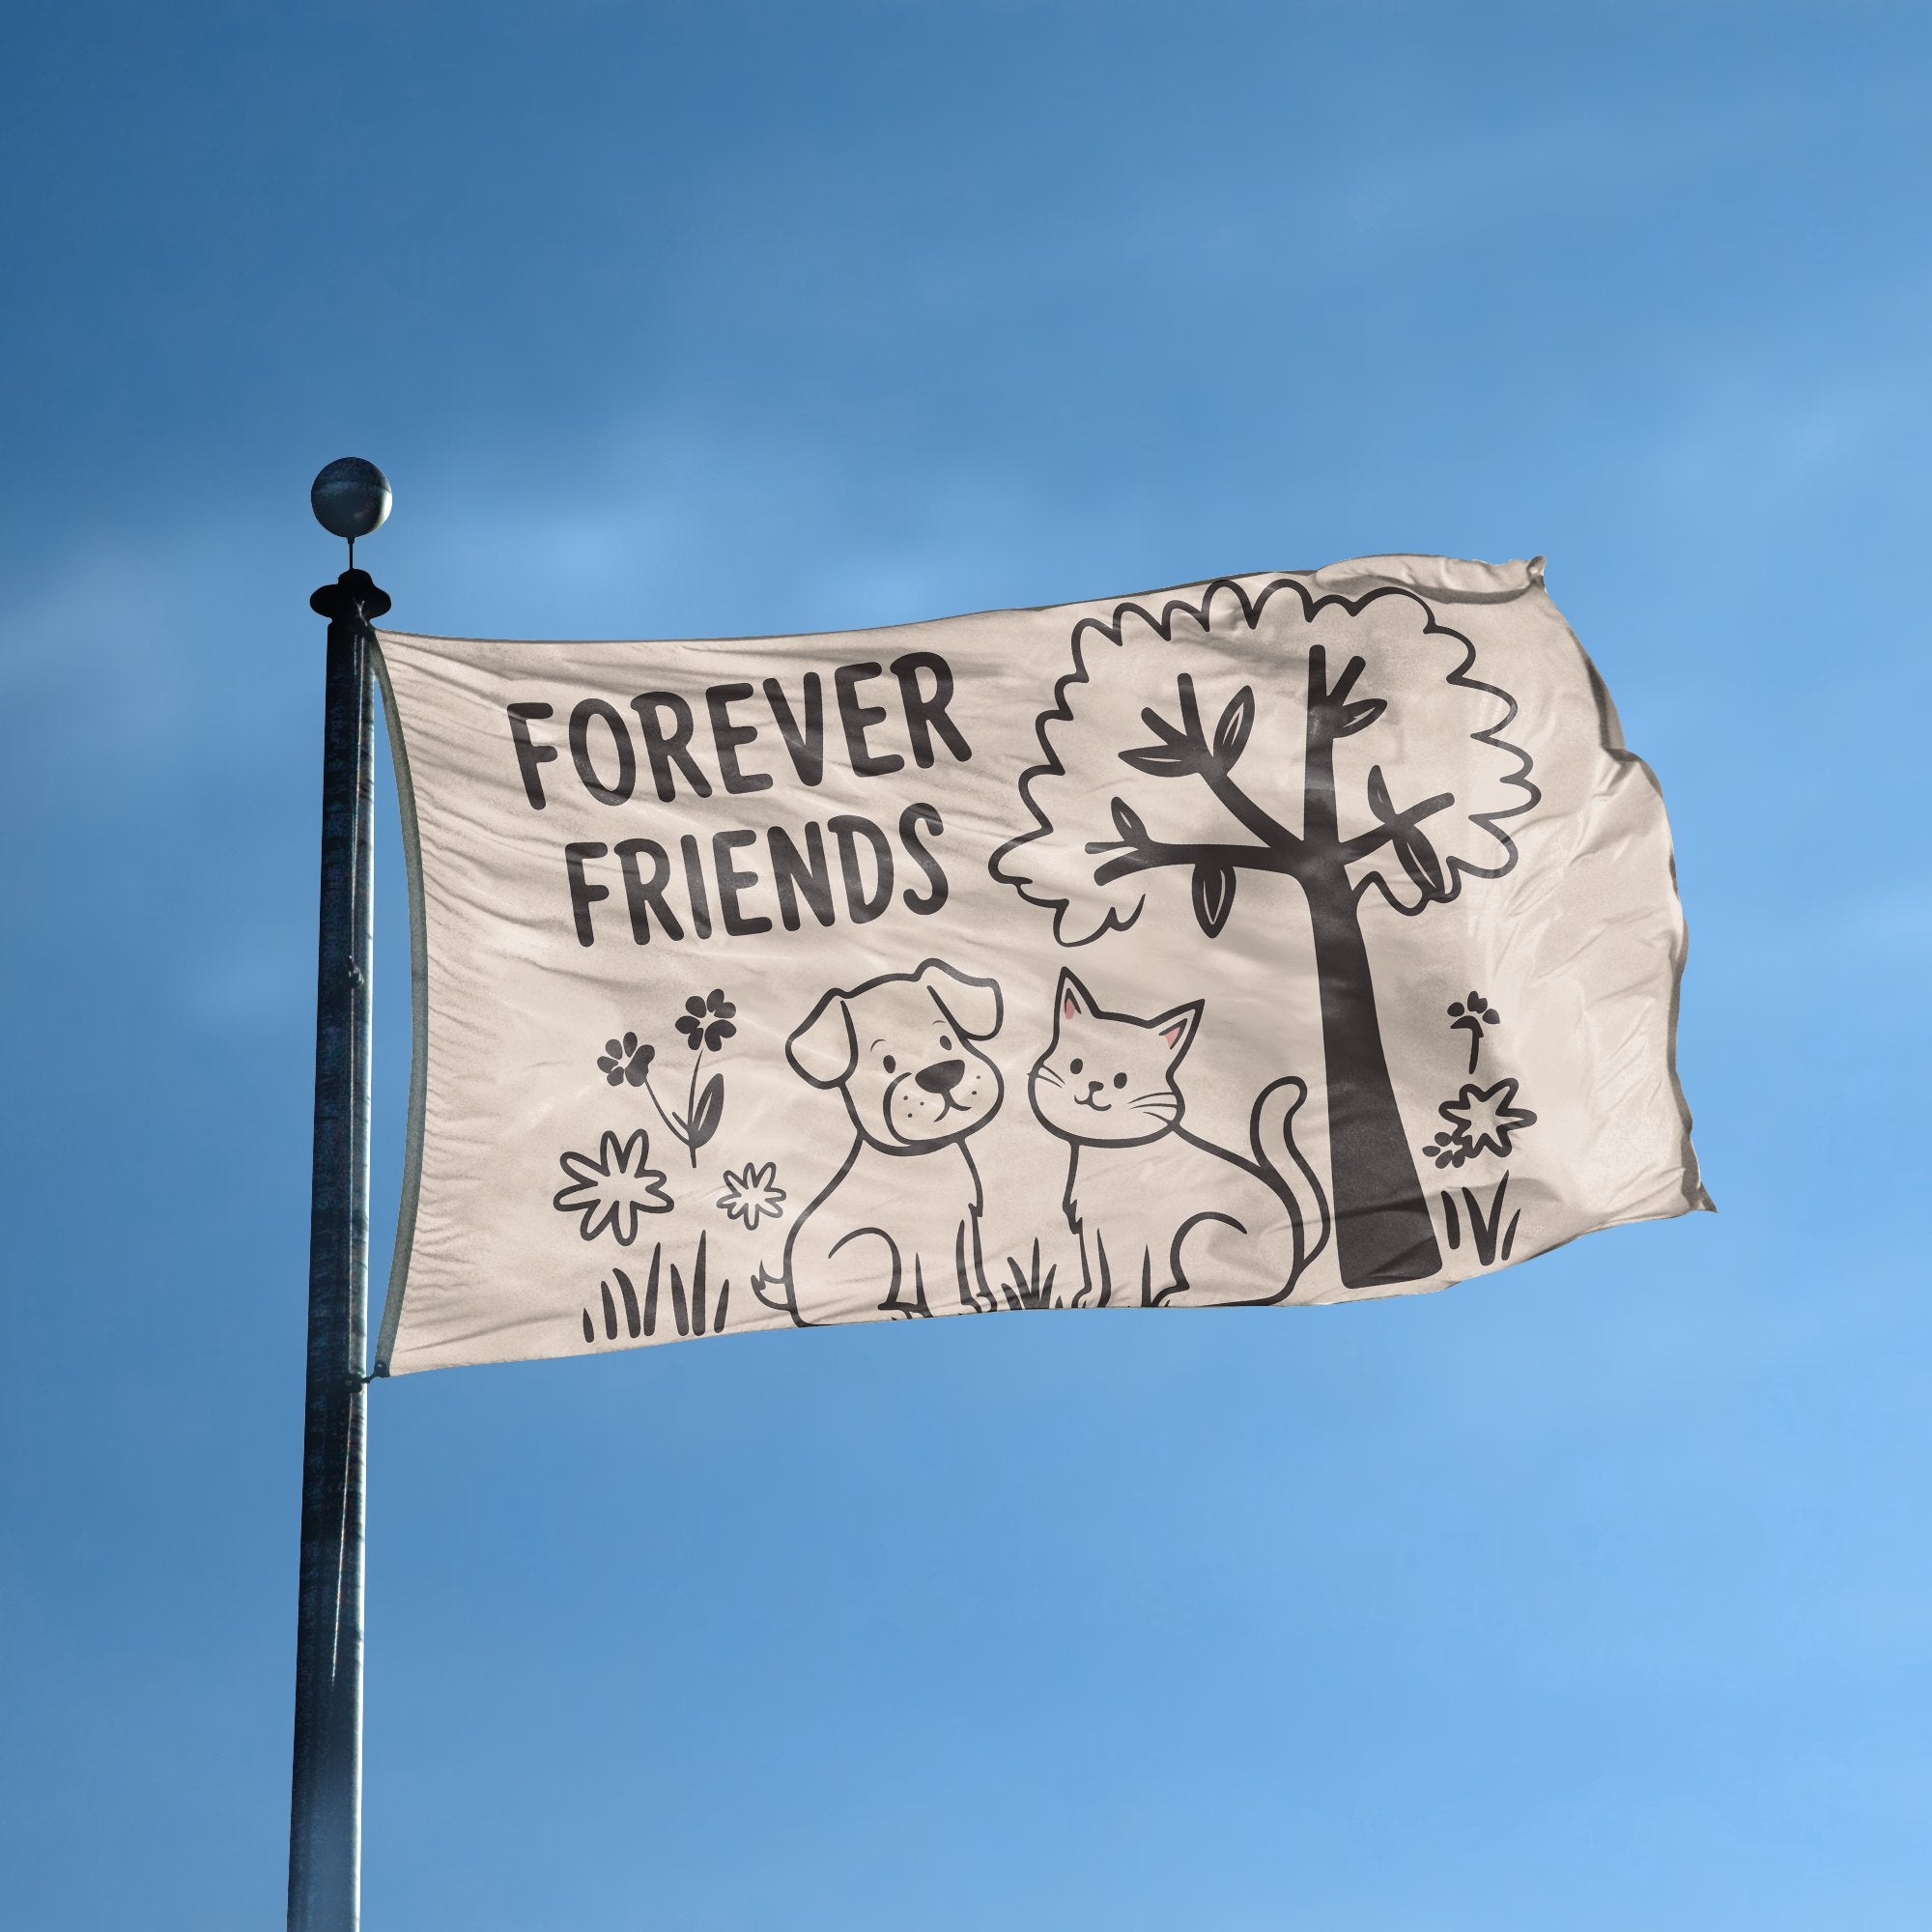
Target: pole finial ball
[(350, 497)]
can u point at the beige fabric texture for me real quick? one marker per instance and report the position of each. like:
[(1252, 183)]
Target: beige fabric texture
[(1291, 938)]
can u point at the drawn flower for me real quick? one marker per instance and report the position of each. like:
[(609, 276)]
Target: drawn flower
[(625, 1059), (707, 1022), (1484, 1118), (1472, 1015), (612, 1187), (754, 1195)]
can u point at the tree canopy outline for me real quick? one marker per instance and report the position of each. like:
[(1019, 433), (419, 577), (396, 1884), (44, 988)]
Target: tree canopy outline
[(1412, 854)]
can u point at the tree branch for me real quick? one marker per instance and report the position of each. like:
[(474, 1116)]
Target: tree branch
[(1145, 858), (1183, 750), (1263, 825), (1349, 850), (1337, 693)]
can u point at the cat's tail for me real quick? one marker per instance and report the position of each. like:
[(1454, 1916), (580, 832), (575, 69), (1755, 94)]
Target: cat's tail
[(1271, 1130)]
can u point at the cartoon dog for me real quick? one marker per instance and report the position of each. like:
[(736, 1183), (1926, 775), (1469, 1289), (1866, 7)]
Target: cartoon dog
[(896, 1229)]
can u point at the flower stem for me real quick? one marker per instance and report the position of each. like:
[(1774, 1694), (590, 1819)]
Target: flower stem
[(691, 1102), (659, 1105), (1474, 1028)]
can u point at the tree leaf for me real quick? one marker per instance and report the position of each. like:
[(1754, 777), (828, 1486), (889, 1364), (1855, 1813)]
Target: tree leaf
[(1128, 824), (1162, 761), (1380, 802), (704, 1115), (1213, 896), (1360, 715), (1231, 735), (1419, 860)]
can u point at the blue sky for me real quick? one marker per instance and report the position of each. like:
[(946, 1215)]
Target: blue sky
[(1590, 1596)]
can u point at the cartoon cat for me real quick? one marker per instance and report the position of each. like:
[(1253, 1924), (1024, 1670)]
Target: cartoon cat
[(1165, 1218)]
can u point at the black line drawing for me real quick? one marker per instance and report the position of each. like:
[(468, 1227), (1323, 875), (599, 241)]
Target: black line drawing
[(625, 1061), (1336, 845), (752, 1195), (706, 1024), (1471, 1016), (905, 1202), (612, 1187), (1483, 1223), (688, 1308), (1106, 1085), (1481, 1119), (1029, 1288)]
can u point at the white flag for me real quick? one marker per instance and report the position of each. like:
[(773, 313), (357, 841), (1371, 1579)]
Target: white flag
[(1289, 938)]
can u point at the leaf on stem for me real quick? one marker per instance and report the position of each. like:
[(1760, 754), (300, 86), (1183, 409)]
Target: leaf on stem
[(1183, 747), (1380, 802), (1213, 896), (1163, 761), (710, 1106), (1419, 860), (1231, 735)]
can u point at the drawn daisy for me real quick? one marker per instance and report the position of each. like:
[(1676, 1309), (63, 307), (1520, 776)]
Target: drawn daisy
[(754, 1195), (1485, 1117), (612, 1187)]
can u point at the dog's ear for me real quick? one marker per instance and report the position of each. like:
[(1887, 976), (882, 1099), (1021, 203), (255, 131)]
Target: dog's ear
[(823, 1049), (973, 1005)]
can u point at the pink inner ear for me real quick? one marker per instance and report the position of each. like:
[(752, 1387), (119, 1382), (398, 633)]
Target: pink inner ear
[(1069, 1007), (1173, 1035)]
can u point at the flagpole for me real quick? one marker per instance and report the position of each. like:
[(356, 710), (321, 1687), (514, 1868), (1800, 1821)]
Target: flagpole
[(351, 499)]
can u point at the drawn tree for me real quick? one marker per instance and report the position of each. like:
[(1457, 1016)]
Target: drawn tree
[(1342, 743)]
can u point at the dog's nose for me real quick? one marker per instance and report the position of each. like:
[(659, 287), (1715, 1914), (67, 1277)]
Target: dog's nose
[(943, 1078)]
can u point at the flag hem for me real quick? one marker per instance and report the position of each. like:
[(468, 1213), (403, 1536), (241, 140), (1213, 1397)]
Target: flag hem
[(412, 1190), (1696, 1197)]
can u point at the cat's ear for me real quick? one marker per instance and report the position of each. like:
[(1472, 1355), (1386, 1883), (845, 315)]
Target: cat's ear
[(1177, 1030), (1072, 1001), (823, 1050)]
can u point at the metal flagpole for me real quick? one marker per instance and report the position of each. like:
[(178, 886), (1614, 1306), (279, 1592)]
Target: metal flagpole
[(351, 497)]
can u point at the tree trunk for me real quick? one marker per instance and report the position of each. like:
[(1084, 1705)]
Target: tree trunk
[(1383, 1230)]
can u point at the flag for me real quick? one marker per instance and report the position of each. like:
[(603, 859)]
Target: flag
[(1291, 938)]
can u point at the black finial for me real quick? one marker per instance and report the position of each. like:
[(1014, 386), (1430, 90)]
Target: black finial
[(350, 497)]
